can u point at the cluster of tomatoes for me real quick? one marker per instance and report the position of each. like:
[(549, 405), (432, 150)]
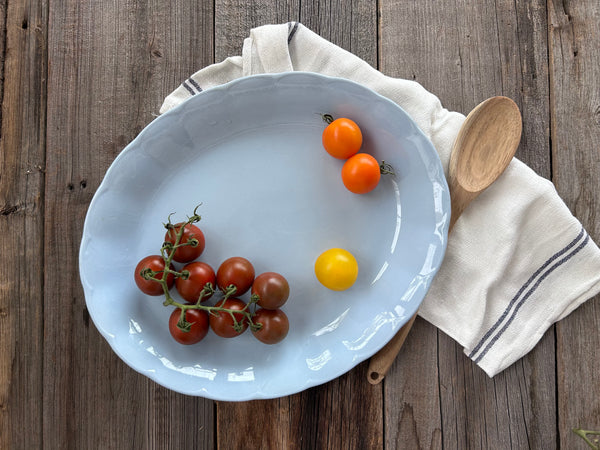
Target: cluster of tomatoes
[(342, 139), (197, 281)]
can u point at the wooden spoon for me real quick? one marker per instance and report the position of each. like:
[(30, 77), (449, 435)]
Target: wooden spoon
[(485, 145)]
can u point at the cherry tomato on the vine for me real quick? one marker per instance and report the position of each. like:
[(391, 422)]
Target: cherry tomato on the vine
[(342, 138), (361, 173), (275, 325), (272, 290), (336, 269), (198, 330), (154, 263), (236, 271), (190, 252), (199, 274), (222, 323)]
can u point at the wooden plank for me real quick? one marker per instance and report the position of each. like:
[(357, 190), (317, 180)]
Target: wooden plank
[(465, 52), (574, 33), (324, 416), (23, 66), (344, 413), (412, 393), (350, 25), (178, 421), (110, 69), (235, 18)]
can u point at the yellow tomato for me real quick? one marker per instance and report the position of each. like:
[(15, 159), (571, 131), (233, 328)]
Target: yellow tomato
[(336, 269)]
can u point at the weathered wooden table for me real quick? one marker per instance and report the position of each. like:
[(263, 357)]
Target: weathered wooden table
[(80, 78)]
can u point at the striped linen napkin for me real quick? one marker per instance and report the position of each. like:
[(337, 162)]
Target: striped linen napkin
[(517, 261)]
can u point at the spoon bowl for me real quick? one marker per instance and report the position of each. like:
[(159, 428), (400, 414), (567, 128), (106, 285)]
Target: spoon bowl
[(486, 143), (484, 146)]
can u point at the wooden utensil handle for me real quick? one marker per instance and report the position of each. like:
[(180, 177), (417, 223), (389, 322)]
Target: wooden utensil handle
[(382, 360)]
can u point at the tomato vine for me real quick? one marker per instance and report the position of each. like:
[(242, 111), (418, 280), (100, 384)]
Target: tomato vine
[(167, 252)]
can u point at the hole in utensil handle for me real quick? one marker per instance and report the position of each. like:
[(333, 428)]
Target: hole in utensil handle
[(375, 377)]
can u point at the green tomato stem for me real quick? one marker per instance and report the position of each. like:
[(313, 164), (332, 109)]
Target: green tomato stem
[(584, 434), (386, 169), (167, 252), (327, 118), (207, 291), (214, 310), (229, 291)]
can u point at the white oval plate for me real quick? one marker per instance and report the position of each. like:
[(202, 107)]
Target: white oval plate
[(250, 151)]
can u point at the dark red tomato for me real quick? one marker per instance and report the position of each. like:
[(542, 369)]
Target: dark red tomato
[(200, 274), (272, 290), (275, 325), (236, 271), (199, 329), (190, 252), (222, 323), (154, 263)]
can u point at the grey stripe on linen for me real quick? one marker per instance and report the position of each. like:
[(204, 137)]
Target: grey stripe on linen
[(196, 85), (542, 273), (188, 87), (292, 28)]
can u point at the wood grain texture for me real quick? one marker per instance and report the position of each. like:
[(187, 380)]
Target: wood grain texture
[(350, 25), (235, 18), (177, 421), (413, 415), (338, 415), (344, 413), (575, 105), (109, 71), (23, 68), (465, 52)]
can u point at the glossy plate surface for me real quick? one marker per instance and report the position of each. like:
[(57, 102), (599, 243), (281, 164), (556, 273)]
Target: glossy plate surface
[(250, 151)]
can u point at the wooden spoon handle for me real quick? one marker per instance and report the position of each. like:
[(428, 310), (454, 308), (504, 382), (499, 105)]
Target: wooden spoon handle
[(382, 361), (459, 200)]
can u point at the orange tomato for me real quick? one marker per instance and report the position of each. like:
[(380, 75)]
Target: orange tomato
[(342, 138), (361, 173)]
